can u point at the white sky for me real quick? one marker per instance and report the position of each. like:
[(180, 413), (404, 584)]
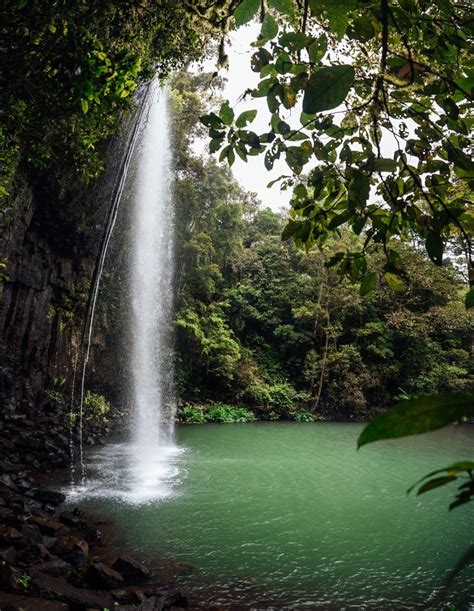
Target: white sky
[(253, 175)]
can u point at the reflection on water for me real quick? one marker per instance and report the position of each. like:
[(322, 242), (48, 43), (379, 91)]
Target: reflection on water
[(291, 515)]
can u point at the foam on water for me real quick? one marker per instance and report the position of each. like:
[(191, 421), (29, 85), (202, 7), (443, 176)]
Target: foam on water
[(121, 472)]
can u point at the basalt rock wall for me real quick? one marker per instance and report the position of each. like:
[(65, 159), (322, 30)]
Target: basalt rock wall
[(49, 267), (50, 237)]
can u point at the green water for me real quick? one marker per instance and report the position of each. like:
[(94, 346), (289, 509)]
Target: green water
[(292, 515)]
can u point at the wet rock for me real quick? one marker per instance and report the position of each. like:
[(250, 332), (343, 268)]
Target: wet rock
[(153, 604), (7, 481), (24, 484), (9, 577), (130, 569), (55, 568), (7, 516), (10, 535), (56, 588), (175, 600), (100, 575), (18, 602), (76, 558), (49, 542), (32, 554), (83, 546), (123, 596), (48, 527), (34, 505), (49, 497), (8, 554), (30, 533), (18, 506)]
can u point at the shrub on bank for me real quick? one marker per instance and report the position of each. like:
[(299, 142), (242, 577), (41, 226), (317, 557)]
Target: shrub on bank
[(214, 412)]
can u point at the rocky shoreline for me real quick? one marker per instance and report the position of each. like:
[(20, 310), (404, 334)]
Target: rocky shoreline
[(51, 559)]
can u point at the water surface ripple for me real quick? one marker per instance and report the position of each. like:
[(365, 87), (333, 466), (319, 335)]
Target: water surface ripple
[(291, 515)]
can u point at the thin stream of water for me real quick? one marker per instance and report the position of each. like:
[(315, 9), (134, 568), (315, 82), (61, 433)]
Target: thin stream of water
[(89, 324)]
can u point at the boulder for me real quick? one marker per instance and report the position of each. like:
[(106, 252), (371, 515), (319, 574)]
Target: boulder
[(99, 575), (8, 554), (131, 569), (16, 602), (56, 568), (48, 526), (30, 534), (47, 496), (55, 588)]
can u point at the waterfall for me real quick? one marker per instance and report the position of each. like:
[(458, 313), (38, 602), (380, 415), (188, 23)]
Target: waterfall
[(144, 467), (151, 285), (116, 198)]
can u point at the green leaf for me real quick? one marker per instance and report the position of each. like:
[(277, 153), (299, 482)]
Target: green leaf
[(454, 469), (245, 11), (395, 282), (225, 153), (459, 158), (434, 247), (417, 416), (249, 137), (246, 117), (368, 284), (84, 106), (327, 88), (436, 483), (296, 136), (294, 40), (469, 300), (338, 18), (362, 29), (269, 27), (290, 229), (285, 7), (212, 121), (385, 165), (214, 145), (339, 219), (226, 113)]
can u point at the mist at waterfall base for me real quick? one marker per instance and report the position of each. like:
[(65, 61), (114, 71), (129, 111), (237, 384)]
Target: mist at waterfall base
[(141, 469)]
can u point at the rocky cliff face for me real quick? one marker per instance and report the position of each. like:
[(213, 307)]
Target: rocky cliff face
[(44, 299), (50, 238)]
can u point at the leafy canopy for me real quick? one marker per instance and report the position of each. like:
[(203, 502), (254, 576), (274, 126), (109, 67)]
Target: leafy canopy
[(383, 90)]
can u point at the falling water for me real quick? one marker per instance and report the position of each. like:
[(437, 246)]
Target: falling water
[(144, 467), (116, 198), (151, 285)]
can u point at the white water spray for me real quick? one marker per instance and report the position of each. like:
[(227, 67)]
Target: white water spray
[(151, 284), (145, 469), (151, 295)]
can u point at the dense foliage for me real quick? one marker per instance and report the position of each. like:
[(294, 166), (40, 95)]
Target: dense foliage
[(383, 90), (265, 324), (68, 69)]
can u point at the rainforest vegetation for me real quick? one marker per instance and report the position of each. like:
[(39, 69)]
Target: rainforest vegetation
[(265, 325), (353, 303), (368, 104)]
